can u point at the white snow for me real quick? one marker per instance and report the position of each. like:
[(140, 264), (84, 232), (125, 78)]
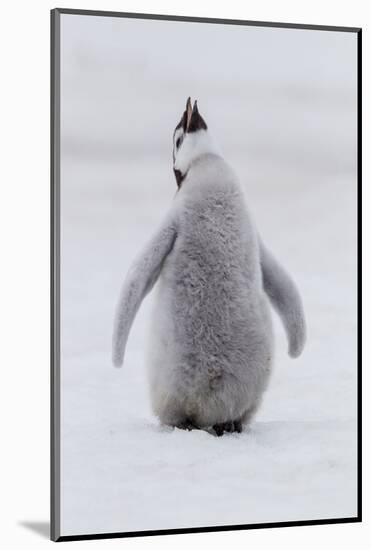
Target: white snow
[(122, 471)]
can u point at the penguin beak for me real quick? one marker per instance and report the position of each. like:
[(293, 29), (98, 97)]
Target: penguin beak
[(188, 111)]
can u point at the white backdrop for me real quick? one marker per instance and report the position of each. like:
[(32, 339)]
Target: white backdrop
[(25, 353)]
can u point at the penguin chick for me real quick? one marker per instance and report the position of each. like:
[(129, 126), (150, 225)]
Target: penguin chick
[(211, 340)]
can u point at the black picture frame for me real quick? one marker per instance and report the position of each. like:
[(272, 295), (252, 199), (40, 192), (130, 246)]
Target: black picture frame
[(55, 274)]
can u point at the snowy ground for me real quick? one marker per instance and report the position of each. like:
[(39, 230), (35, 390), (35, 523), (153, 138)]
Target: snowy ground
[(286, 124)]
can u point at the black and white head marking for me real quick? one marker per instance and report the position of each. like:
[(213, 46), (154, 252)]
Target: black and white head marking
[(178, 135), (190, 123)]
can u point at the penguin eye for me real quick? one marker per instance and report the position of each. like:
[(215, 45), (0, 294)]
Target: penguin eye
[(177, 143)]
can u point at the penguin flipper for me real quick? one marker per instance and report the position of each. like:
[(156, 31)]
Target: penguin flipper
[(139, 281), (285, 299)]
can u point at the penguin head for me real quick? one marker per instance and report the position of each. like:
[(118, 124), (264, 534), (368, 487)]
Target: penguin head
[(190, 140)]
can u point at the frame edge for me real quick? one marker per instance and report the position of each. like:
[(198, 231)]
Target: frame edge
[(54, 281), (213, 20)]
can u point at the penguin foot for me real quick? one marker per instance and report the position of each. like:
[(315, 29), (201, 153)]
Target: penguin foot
[(228, 427), (187, 425), (237, 424)]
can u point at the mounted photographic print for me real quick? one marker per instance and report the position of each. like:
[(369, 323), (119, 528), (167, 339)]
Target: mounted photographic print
[(205, 256)]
